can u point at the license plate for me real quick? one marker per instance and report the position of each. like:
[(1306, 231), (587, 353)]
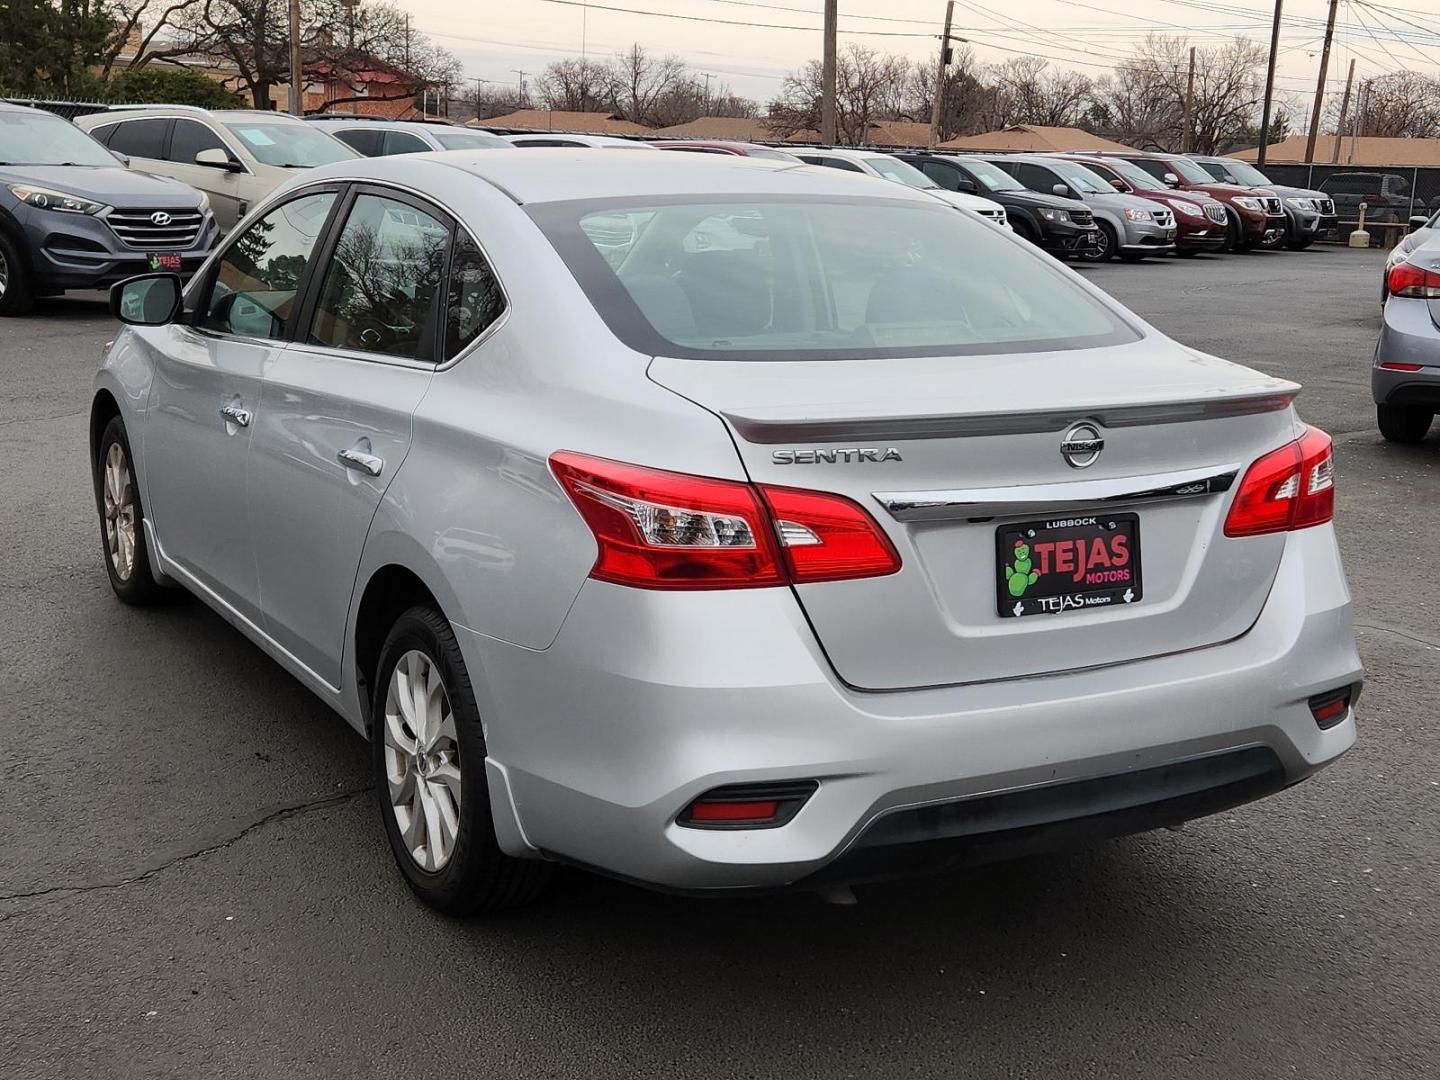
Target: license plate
[(1092, 238), (1067, 564), (165, 261)]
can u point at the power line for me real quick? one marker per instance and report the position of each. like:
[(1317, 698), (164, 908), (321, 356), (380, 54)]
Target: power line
[(731, 22)]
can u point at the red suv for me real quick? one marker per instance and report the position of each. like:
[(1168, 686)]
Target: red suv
[(735, 149), (1200, 221), (1255, 217)]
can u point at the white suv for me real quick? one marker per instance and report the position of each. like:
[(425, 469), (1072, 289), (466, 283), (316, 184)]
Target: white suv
[(377, 137), (236, 156)]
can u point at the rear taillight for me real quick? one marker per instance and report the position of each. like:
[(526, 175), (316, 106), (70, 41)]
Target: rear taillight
[(665, 530), (1416, 282), (1289, 488)]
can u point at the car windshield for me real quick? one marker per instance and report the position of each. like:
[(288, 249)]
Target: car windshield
[(289, 146), (1189, 170), (471, 140), (1247, 174), (766, 152), (36, 138), (801, 278), (1082, 179), (901, 173), (993, 177), (1135, 176)]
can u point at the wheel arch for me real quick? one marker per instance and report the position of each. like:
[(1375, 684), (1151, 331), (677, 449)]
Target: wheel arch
[(103, 408)]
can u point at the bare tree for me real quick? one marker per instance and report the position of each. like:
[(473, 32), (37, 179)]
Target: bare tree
[(967, 97), (869, 87), (641, 83), (149, 24), (576, 84), (1404, 104), (1026, 90)]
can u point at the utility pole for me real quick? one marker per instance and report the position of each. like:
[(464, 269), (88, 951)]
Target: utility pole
[(937, 105), (1361, 116), (1344, 111), (705, 99), (1269, 86), (297, 95), (827, 75), (1187, 137), (1320, 85), (522, 75)]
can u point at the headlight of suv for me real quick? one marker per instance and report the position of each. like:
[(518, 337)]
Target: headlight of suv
[(204, 206), (1249, 203), (50, 199), (1188, 208), (1308, 205), (1055, 215), (1139, 215)]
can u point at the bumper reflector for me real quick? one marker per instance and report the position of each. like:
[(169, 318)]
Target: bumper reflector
[(1329, 709), (747, 806), (1392, 366)]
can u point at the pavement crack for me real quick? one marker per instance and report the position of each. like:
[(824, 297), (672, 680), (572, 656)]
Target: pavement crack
[(206, 848), (1408, 635), (41, 419)]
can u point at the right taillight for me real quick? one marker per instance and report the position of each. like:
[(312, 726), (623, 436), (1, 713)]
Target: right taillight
[(664, 530), (1289, 488), (1416, 282)]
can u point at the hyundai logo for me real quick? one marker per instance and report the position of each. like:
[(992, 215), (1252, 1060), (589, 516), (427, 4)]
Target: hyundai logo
[(160, 217), (1081, 445)]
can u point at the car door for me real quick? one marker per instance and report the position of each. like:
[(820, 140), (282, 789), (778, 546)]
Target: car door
[(335, 414), (190, 137), (205, 395)]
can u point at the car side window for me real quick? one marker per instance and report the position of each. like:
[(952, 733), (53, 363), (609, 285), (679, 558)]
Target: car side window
[(141, 138), (381, 284), (402, 142), (362, 140), (1034, 177), (947, 177), (102, 134), (1155, 168), (841, 164), (257, 278), (189, 138), (474, 300)]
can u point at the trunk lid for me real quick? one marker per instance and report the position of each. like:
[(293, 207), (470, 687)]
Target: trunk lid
[(977, 447)]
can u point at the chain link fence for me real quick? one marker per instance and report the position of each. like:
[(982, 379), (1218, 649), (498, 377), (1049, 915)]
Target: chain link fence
[(1392, 194), (68, 109)]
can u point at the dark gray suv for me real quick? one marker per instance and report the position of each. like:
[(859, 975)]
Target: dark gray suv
[(72, 216)]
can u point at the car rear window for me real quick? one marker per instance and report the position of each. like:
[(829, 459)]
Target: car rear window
[(793, 278)]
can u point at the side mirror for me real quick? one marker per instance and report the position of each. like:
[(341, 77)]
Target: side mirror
[(1119, 185), (124, 159), (1171, 179), (215, 158), (147, 300), (1418, 221), (966, 185), (1063, 190)]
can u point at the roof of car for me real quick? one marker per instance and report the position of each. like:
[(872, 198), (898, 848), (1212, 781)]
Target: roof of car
[(128, 112), (837, 152), (556, 174)]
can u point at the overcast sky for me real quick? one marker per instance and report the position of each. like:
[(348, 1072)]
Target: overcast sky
[(496, 36)]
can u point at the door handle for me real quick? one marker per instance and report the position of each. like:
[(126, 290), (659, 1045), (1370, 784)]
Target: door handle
[(360, 460), (235, 414)]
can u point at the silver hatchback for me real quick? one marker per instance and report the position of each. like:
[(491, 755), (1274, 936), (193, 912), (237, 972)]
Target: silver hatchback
[(719, 524)]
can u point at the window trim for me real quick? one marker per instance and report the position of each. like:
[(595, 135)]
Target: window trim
[(202, 300)]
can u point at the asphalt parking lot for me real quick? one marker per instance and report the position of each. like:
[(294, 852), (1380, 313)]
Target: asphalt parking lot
[(193, 882)]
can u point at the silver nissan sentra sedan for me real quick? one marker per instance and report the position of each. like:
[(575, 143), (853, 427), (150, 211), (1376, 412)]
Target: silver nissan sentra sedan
[(724, 524)]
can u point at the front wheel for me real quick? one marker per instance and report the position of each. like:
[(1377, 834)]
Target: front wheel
[(428, 756), (1105, 248), (1403, 423), (122, 519), (17, 289)]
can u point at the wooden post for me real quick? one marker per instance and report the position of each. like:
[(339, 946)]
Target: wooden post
[(297, 94), (827, 75), (1269, 86), (1320, 84), (1187, 137), (1344, 110), (938, 104)]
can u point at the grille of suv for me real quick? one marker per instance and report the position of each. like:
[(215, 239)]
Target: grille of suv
[(1325, 206), (1215, 212), (997, 214), (1273, 206), (1082, 217), (1163, 218), (140, 229)]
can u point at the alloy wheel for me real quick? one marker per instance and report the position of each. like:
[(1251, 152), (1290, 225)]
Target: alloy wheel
[(4, 275), (119, 502), (422, 761)]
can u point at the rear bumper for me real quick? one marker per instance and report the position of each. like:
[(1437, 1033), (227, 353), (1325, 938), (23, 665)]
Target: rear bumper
[(1408, 335), (647, 700)]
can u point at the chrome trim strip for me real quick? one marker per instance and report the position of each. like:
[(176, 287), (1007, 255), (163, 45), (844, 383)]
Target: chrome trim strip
[(1054, 499), (891, 429)]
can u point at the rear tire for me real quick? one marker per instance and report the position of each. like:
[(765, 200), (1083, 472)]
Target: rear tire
[(122, 520), (428, 757), (1403, 423), (1233, 240), (17, 284)]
